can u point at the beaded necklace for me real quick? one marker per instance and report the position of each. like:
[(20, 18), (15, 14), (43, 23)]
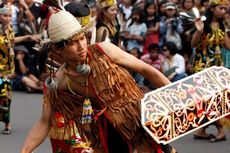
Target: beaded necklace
[(87, 111)]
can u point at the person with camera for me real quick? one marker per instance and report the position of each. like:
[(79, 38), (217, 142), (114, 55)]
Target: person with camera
[(171, 26)]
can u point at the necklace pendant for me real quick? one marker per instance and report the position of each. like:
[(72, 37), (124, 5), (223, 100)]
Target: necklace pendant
[(87, 112)]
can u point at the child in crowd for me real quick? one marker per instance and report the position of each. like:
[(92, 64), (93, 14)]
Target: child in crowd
[(171, 26), (137, 77), (24, 78), (153, 58), (174, 63), (152, 22), (136, 30), (6, 65)]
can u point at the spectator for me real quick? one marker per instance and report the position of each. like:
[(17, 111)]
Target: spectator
[(203, 6), (114, 93), (152, 22), (31, 19), (24, 78), (189, 28), (107, 24), (226, 52), (174, 63), (210, 36), (162, 9), (136, 30), (171, 26), (81, 12), (137, 76), (15, 11), (6, 65), (155, 59), (126, 7)]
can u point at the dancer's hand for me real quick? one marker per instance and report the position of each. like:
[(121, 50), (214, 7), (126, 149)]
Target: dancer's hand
[(199, 25)]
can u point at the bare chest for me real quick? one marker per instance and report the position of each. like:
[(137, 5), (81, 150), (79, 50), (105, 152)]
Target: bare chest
[(78, 85)]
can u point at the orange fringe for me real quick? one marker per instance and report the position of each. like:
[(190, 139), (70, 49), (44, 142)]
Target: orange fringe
[(118, 91), (225, 122)]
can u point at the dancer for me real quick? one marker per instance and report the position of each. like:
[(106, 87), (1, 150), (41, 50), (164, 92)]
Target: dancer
[(7, 65), (209, 38), (92, 102)]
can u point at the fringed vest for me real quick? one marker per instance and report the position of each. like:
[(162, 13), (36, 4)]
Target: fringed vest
[(116, 92)]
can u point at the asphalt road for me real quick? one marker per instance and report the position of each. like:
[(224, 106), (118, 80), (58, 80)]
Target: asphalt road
[(26, 109)]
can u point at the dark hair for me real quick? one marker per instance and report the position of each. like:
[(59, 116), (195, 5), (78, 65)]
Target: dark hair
[(2, 5), (139, 11), (147, 5), (203, 1), (207, 23), (159, 5), (100, 14), (138, 51), (77, 9), (183, 1), (153, 47), (171, 46), (228, 11), (133, 1), (62, 43)]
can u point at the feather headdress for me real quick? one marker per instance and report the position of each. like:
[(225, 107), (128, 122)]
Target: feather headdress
[(189, 18), (59, 4), (218, 2)]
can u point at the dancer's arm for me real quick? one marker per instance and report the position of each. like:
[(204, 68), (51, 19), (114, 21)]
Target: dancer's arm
[(39, 131), (127, 60)]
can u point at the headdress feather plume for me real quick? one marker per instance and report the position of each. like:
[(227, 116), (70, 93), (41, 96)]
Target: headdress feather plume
[(59, 4)]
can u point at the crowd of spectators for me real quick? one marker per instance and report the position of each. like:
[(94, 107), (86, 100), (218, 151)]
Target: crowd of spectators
[(152, 30)]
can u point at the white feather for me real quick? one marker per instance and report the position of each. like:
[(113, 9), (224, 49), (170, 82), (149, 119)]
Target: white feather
[(203, 18), (196, 12)]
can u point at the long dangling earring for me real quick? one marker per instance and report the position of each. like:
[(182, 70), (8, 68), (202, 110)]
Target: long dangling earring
[(87, 111), (83, 68), (51, 82)]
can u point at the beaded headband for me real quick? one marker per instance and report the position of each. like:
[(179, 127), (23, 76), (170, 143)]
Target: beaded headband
[(6, 9), (106, 3), (218, 2)]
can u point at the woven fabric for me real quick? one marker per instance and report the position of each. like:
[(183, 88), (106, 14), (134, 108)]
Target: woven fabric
[(226, 57), (62, 26)]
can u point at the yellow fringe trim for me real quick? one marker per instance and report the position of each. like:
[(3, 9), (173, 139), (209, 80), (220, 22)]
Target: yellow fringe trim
[(64, 133), (225, 122)]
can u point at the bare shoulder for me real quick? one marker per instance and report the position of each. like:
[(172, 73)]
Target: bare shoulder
[(110, 49), (102, 29), (60, 75), (102, 33)]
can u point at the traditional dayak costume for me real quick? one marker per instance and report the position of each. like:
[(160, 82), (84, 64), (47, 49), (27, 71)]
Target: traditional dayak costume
[(112, 26), (111, 118), (6, 67), (117, 103), (208, 52)]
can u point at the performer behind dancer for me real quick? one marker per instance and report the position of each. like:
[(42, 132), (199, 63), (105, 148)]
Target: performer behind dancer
[(209, 38), (92, 103)]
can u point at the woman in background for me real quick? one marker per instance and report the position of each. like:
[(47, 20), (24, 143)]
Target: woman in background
[(107, 24), (210, 36), (136, 30), (152, 22), (6, 65)]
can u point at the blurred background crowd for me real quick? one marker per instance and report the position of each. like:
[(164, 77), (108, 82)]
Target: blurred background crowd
[(177, 37), (159, 32)]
